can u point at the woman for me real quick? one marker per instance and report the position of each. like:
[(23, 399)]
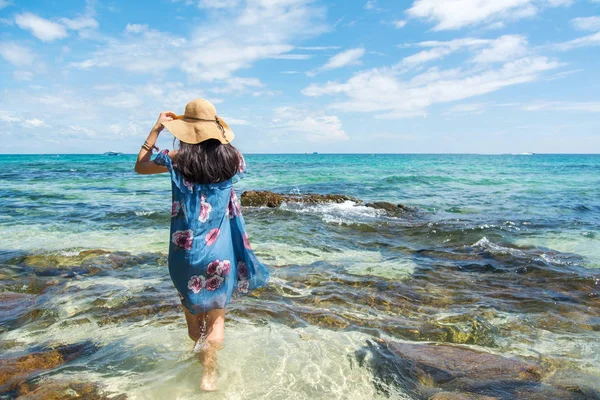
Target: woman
[(210, 257)]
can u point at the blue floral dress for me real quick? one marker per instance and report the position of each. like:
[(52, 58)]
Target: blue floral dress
[(210, 257)]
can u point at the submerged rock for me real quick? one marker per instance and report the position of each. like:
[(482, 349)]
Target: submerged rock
[(59, 390), (394, 210), (16, 370), (452, 373), (14, 307)]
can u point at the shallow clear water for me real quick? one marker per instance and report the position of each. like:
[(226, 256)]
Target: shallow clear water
[(507, 243)]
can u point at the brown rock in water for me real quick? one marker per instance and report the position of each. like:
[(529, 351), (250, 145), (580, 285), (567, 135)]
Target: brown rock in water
[(253, 198), (16, 370), (59, 390), (460, 373), (261, 199)]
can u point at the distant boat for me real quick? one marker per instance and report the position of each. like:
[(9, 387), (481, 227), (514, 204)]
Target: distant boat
[(316, 152), (113, 153)]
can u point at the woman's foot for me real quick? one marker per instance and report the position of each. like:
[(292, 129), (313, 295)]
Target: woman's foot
[(208, 357), (209, 380)]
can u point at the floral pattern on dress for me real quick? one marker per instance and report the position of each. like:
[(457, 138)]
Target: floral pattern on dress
[(246, 241), (234, 209), (175, 208), (224, 267), (243, 283), (197, 283), (205, 209), (183, 239), (241, 163), (212, 236), (216, 271), (207, 276), (214, 282), (212, 267)]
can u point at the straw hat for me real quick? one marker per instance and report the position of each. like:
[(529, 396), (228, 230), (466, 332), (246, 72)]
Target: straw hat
[(199, 123)]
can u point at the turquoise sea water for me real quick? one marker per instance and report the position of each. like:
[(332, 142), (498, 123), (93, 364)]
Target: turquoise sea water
[(497, 235)]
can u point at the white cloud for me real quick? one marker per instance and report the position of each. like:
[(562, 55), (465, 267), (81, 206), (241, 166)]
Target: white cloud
[(219, 3), (345, 58), (23, 75), (505, 48), (123, 100), (456, 14), (592, 107), (4, 3), (136, 28), (34, 123), (16, 54), (237, 84), (231, 39), (318, 48), (234, 121), (149, 52), (6, 116), (584, 41), (381, 90), (400, 23), (80, 23), (314, 126), (586, 23), (11, 118), (473, 108), (371, 5), (292, 56), (43, 29)]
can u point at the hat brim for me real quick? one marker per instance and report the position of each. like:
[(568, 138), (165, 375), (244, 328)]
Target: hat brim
[(193, 131)]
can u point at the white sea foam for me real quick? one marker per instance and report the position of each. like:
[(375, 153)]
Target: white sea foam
[(485, 244), (347, 212)]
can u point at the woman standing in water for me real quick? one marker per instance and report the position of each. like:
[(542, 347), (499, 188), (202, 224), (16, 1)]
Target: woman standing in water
[(210, 257)]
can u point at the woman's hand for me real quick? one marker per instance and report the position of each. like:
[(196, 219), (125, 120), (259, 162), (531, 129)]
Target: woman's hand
[(163, 117)]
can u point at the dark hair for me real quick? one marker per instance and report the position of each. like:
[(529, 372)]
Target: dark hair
[(207, 162)]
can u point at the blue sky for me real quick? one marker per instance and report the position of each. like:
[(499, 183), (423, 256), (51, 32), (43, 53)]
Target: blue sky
[(422, 76)]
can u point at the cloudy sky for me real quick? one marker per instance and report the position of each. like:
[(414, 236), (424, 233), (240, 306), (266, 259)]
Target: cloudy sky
[(395, 76)]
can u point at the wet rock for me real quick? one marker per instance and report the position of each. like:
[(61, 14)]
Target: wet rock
[(16, 370), (13, 307), (60, 389), (461, 373), (58, 260), (269, 199), (395, 210)]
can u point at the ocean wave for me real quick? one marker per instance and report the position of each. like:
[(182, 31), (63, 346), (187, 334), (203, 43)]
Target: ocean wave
[(346, 213), (485, 244)]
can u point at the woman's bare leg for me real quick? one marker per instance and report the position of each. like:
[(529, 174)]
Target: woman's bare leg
[(195, 323), (215, 329)]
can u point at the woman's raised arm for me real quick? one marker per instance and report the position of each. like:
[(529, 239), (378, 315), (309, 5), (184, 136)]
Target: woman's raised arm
[(144, 165)]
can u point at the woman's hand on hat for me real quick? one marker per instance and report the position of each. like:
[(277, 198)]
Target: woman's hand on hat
[(163, 117)]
